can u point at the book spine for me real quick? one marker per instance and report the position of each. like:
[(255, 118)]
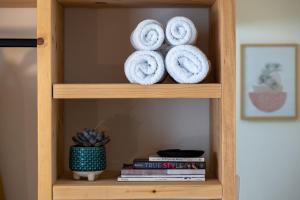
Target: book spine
[(164, 176), (168, 165), (162, 171), (169, 159), (159, 179)]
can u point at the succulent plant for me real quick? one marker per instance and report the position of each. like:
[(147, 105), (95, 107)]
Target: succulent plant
[(90, 138)]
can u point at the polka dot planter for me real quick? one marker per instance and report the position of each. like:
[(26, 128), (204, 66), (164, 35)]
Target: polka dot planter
[(87, 161)]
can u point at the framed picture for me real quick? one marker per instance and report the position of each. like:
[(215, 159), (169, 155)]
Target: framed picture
[(268, 82)]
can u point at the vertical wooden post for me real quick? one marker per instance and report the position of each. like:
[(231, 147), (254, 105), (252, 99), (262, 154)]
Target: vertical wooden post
[(228, 116), (49, 64), (45, 136), (223, 110)]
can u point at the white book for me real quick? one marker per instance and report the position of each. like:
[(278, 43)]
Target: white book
[(165, 176), (121, 179), (175, 159)]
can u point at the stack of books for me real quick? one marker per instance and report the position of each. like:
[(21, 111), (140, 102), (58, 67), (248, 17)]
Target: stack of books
[(164, 169)]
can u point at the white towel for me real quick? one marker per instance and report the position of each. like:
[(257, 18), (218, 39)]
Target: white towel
[(187, 64), (145, 67), (148, 35), (181, 31)]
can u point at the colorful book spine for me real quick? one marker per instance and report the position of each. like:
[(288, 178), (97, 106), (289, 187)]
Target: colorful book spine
[(144, 164), (121, 179), (162, 171), (172, 159)]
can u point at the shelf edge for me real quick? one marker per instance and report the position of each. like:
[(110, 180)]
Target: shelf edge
[(211, 189), (133, 91)]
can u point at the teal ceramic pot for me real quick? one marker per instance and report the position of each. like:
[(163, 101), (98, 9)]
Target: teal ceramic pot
[(87, 159)]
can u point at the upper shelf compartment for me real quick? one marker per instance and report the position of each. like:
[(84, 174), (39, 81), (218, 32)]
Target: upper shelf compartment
[(135, 3), (129, 91), (97, 41)]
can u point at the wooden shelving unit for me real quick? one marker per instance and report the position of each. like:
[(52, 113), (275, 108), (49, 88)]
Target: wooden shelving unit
[(52, 91)]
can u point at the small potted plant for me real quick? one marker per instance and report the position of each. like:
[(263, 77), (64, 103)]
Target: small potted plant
[(88, 155)]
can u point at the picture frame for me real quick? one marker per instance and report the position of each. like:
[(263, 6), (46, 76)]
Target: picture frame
[(269, 81)]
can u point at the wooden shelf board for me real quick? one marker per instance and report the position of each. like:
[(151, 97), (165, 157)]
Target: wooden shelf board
[(136, 3), (129, 91), (17, 3), (107, 187)]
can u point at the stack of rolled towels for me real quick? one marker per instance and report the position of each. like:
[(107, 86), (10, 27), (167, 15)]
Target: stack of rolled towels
[(184, 62)]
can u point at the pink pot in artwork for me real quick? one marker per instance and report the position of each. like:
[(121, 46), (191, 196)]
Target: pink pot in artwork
[(268, 101)]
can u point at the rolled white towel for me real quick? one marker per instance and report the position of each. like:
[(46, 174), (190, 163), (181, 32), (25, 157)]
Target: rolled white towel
[(145, 67), (148, 35), (187, 64), (181, 31)]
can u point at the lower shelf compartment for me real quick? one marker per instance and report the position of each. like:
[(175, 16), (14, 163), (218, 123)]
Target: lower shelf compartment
[(107, 187)]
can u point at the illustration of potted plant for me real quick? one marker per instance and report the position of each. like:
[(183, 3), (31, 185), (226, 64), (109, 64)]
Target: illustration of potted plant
[(268, 95), (88, 155)]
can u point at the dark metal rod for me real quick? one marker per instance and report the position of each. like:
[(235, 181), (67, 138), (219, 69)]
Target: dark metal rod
[(18, 42)]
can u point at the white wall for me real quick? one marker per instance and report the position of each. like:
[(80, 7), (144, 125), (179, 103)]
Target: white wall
[(18, 107), (268, 152)]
